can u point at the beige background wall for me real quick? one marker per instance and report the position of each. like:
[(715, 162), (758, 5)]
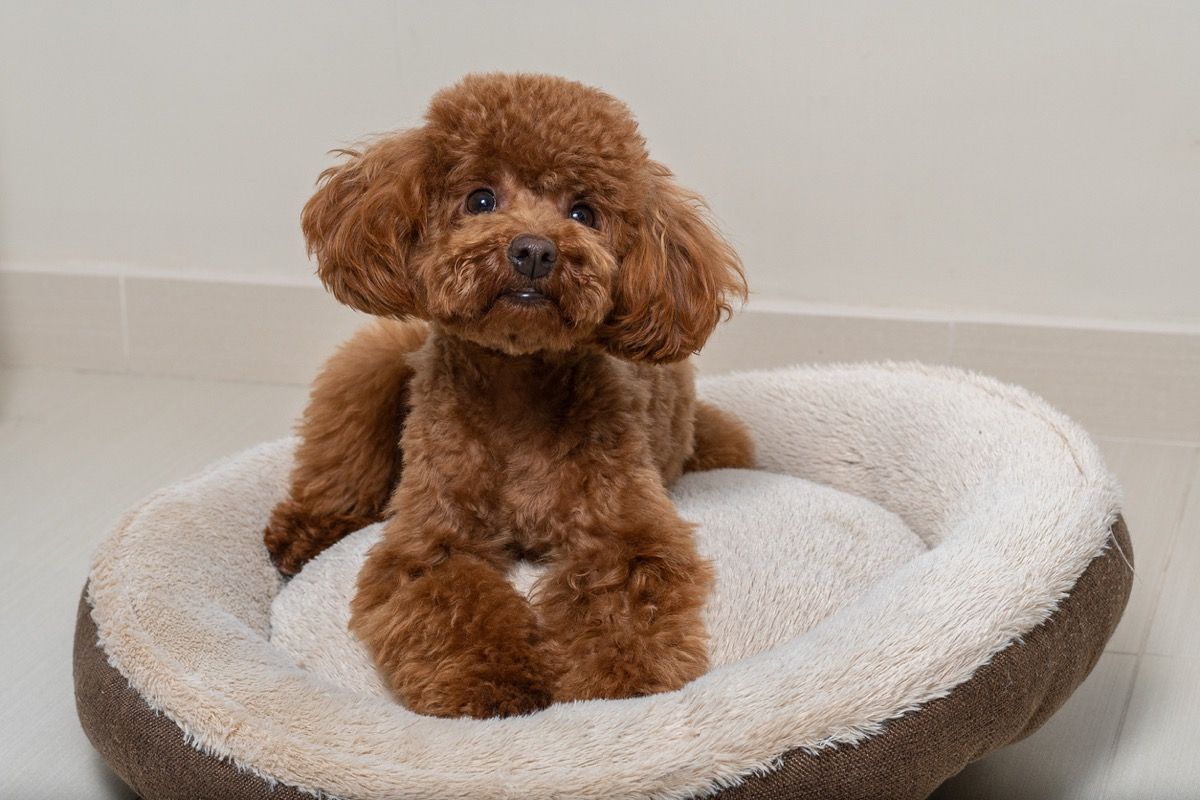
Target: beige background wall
[(959, 158)]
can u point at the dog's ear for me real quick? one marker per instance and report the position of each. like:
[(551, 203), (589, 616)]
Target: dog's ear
[(364, 221), (676, 280)]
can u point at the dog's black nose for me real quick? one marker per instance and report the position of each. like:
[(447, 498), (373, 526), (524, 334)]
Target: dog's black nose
[(532, 256)]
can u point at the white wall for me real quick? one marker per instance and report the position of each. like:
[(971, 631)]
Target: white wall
[(1011, 158)]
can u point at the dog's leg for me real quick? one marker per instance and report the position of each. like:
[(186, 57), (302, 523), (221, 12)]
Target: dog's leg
[(623, 607), (348, 462), (447, 631), (722, 441)]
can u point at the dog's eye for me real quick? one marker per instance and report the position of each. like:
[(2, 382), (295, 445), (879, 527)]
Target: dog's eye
[(481, 201), (583, 214)]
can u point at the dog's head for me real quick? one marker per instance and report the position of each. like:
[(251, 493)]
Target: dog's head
[(525, 215)]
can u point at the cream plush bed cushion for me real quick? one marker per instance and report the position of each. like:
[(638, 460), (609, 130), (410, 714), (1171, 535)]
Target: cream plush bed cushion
[(1011, 499), (788, 554)]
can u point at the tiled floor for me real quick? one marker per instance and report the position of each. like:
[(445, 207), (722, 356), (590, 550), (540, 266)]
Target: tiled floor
[(76, 449)]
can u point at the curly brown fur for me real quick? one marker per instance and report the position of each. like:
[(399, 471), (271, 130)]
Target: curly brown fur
[(348, 461), (527, 415)]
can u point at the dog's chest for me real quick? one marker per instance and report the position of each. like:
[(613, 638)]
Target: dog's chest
[(541, 496), (533, 457)]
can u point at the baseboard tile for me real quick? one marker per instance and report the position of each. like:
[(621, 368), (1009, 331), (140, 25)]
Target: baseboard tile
[(1119, 383), (1138, 382), (73, 321), (755, 339), (232, 331)]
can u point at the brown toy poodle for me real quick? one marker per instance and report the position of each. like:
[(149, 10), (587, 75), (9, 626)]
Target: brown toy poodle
[(540, 283)]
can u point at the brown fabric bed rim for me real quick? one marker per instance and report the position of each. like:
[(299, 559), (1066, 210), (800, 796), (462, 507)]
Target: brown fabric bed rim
[(1006, 700)]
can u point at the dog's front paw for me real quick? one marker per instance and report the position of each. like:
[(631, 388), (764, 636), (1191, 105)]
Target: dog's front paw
[(640, 633), (505, 692), (453, 639), (294, 536), (609, 669)]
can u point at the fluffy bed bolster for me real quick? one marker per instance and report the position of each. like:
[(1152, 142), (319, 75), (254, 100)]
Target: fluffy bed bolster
[(1010, 500)]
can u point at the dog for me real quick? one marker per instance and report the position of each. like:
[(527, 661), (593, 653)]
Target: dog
[(525, 394)]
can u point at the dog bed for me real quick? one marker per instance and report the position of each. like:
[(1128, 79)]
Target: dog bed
[(925, 566)]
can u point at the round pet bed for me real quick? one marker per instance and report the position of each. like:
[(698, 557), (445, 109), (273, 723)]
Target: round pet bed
[(923, 569)]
